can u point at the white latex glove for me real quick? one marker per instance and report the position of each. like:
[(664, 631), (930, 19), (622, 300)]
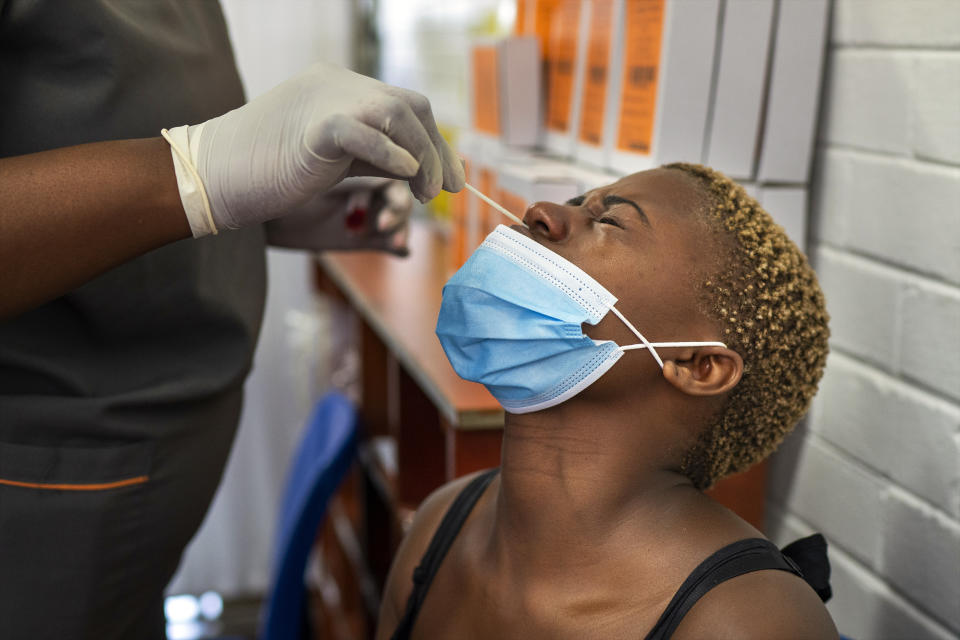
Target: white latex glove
[(270, 156), (359, 213)]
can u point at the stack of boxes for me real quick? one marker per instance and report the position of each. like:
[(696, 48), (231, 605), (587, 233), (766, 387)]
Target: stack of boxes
[(589, 90)]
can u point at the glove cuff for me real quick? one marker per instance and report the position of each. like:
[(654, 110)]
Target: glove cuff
[(184, 147)]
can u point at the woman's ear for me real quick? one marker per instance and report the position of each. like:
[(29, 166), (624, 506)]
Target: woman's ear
[(707, 371)]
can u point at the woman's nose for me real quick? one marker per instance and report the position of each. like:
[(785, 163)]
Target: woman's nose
[(548, 221)]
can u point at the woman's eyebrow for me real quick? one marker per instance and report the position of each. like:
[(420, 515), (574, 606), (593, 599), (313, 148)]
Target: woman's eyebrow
[(611, 200)]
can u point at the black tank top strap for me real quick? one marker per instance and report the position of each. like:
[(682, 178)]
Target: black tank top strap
[(743, 556), (442, 539)]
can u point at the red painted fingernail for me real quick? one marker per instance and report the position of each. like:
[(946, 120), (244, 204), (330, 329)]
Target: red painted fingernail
[(356, 219)]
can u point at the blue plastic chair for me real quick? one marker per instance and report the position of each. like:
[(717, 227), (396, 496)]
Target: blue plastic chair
[(323, 458)]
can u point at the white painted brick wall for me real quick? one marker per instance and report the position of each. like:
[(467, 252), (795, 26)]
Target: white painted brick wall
[(866, 104), (867, 606), (876, 467), (921, 548), (930, 341), (897, 23), (832, 494), (894, 431), (896, 210), (867, 329), (935, 115)]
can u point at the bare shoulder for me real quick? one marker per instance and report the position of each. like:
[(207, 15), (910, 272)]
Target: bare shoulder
[(759, 605), (414, 545)]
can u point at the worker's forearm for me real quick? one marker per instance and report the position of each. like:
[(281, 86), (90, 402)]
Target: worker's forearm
[(69, 214)]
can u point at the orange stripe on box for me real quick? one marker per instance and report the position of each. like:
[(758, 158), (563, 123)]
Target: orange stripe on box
[(641, 75), (77, 487)]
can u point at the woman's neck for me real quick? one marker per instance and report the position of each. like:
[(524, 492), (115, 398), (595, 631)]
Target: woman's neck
[(576, 482)]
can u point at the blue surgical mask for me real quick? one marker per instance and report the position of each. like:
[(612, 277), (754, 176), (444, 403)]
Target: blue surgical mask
[(511, 320)]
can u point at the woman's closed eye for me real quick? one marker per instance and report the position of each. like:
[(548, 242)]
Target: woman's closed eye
[(608, 202), (609, 220)]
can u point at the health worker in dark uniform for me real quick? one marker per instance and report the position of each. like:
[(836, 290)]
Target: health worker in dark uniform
[(132, 279)]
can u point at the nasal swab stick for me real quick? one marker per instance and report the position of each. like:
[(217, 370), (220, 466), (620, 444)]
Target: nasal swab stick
[(494, 204)]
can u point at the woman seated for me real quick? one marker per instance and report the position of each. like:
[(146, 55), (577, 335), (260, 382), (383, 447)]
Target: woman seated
[(646, 339)]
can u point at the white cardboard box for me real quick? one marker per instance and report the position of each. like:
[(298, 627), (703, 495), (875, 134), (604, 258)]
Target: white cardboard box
[(520, 91), (741, 80), (794, 93)]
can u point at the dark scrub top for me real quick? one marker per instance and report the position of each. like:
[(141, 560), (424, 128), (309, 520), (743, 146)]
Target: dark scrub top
[(118, 401)]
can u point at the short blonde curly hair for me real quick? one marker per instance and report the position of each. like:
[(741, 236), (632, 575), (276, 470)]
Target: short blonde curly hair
[(770, 309)]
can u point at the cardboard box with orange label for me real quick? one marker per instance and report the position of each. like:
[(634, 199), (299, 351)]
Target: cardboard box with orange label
[(505, 88), (665, 78), (564, 64), (598, 97)]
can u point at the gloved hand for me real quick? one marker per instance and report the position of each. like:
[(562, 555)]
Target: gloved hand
[(358, 213), (270, 156)]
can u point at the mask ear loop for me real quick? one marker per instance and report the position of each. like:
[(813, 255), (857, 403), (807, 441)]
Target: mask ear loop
[(650, 345), (646, 344)]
